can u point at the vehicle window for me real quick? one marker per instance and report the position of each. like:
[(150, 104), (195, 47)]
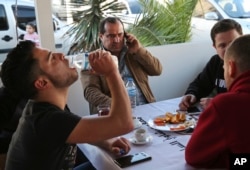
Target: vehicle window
[(203, 7), (236, 9), (229, 7), (135, 6), (246, 7), (24, 15), (3, 19)]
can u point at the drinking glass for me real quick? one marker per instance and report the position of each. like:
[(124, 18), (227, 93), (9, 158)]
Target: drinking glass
[(103, 110)]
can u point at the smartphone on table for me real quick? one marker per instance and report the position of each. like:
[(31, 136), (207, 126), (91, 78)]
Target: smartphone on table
[(129, 160)]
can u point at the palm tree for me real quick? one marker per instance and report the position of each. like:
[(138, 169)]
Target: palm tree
[(86, 30), (161, 23), (166, 23)]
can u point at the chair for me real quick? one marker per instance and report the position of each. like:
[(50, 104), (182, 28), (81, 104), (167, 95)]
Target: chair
[(2, 161), (10, 112)]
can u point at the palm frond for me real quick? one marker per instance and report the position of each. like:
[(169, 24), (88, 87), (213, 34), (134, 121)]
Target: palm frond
[(158, 24), (168, 22)]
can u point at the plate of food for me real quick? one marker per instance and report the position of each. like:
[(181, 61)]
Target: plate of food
[(174, 122)]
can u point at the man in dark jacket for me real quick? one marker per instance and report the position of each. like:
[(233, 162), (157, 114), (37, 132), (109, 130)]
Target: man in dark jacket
[(211, 79)]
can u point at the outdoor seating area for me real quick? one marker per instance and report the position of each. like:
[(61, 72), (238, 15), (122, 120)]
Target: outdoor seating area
[(98, 95), (181, 64), (179, 68)]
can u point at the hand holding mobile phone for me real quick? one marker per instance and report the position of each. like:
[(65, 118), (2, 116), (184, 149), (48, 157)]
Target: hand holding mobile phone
[(129, 160), (125, 38)]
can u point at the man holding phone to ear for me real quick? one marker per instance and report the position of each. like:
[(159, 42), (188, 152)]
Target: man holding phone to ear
[(133, 61)]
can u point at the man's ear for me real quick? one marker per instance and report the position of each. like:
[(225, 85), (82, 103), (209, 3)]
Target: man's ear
[(100, 36), (41, 83), (232, 70)]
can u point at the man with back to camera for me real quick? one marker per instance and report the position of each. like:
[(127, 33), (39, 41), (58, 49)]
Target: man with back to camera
[(47, 133), (222, 128), (211, 78), (134, 61)]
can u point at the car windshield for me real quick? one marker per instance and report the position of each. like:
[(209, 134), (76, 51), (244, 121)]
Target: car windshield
[(135, 6), (235, 8)]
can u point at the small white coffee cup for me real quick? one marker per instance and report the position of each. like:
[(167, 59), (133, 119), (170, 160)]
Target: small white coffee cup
[(141, 135)]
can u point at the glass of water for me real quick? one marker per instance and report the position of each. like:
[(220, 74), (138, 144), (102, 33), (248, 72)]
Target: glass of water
[(79, 61)]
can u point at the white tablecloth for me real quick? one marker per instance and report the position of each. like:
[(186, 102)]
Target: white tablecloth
[(167, 148)]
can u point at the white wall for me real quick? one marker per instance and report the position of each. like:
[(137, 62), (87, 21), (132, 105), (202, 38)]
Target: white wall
[(181, 64), (76, 101)]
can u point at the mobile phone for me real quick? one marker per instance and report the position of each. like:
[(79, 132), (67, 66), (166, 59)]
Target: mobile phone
[(125, 38), (133, 159), (125, 35)]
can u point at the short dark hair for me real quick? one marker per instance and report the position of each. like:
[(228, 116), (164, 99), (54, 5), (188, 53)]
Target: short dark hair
[(18, 70), (32, 25), (239, 50), (109, 20), (223, 26)]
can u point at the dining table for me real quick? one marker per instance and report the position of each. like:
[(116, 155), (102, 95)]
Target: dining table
[(166, 147)]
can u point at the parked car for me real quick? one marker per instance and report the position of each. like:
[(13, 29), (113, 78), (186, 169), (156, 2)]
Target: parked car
[(13, 21), (215, 10)]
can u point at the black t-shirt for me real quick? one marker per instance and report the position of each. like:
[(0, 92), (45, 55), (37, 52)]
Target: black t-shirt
[(40, 139)]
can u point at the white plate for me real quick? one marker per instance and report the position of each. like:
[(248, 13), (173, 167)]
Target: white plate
[(134, 141), (167, 127)]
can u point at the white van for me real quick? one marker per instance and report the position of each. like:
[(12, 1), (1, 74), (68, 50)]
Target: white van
[(12, 30)]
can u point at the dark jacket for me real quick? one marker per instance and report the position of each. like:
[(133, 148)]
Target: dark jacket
[(211, 78)]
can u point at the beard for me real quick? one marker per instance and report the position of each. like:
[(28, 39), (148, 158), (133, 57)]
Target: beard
[(62, 81)]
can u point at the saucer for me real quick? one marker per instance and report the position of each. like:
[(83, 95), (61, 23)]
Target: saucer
[(134, 141)]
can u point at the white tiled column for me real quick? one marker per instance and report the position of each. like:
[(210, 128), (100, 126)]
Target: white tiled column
[(45, 23)]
